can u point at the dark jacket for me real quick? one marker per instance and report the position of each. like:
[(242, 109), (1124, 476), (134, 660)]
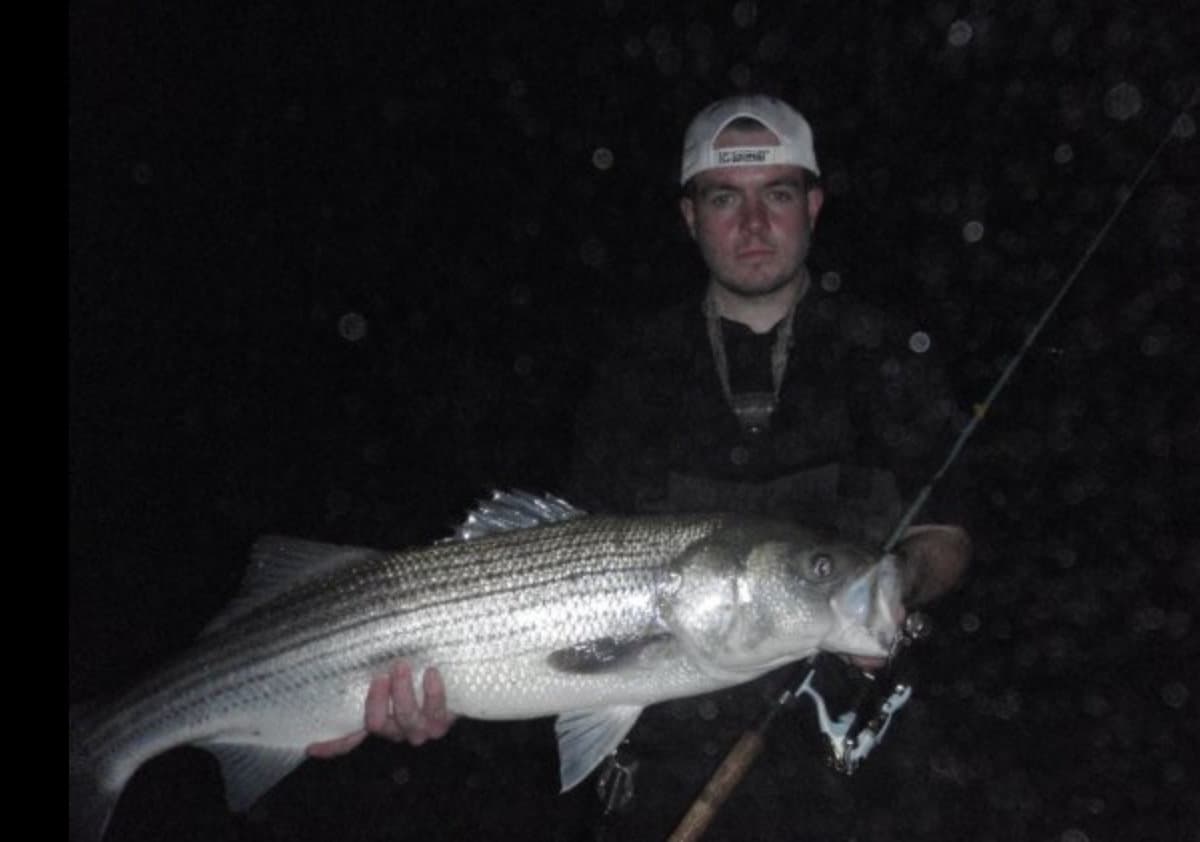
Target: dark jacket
[(863, 420)]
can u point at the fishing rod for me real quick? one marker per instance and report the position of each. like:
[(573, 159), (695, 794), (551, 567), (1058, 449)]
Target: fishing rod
[(853, 736)]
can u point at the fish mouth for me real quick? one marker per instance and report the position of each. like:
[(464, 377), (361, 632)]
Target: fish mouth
[(868, 612)]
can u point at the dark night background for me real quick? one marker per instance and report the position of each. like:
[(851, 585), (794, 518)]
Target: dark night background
[(339, 273)]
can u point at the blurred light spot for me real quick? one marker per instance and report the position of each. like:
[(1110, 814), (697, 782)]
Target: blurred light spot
[(831, 281), (1096, 806), (669, 61), (970, 623), (1073, 834), (142, 172), (973, 231), (523, 365), (1150, 618), (1063, 153), (1066, 557), (960, 33), (1123, 101), (520, 295), (745, 13), (707, 710), (739, 455), (634, 46), (1175, 694), (352, 327), (401, 775), (602, 158), (593, 253), (1185, 127), (919, 342), (374, 453)]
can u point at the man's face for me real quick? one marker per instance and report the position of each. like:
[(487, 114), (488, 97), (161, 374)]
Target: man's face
[(753, 224)]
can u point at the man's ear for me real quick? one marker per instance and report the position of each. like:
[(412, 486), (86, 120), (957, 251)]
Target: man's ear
[(816, 198), (688, 209)]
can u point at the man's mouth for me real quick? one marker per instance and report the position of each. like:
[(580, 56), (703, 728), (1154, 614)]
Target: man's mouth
[(754, 254)]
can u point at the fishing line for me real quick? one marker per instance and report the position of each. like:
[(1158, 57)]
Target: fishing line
[(844, 739), (981, 409)]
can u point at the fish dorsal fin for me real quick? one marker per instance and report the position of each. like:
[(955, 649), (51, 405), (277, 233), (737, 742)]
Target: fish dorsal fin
[(278, 563), (250, 770), (509, 510), (586, 737)]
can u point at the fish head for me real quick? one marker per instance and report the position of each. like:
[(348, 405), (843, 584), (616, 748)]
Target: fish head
[(759, 594)]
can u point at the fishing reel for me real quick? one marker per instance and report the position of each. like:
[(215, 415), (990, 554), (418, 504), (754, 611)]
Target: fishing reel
[(870, 700)]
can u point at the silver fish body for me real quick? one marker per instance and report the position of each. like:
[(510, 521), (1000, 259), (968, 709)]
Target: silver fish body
[(539, 611)]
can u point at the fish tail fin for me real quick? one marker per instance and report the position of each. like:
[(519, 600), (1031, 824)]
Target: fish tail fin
[(91, 802)]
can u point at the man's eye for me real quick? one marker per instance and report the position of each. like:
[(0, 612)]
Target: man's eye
[(783, 196)]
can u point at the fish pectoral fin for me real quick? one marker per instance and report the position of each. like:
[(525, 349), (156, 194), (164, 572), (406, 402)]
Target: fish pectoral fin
[(586, 737), (610, 654), (250, 770)]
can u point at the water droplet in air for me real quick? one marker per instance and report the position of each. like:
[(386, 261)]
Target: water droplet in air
[(602, 158), (831, 281), (960, 33), (740, 75), (352, 327), (970, 623), (593, 253), (973, 231), (745, 13), (919, 342), (1063, 153), (1185, 127), (1123, 101), (1175, 694)]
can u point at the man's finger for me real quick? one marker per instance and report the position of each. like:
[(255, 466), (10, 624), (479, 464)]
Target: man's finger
[(404, 701), (377, 715)]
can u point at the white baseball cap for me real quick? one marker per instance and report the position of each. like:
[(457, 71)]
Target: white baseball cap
[(795, 137)]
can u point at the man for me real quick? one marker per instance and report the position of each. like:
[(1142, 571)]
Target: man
[(758, 397)]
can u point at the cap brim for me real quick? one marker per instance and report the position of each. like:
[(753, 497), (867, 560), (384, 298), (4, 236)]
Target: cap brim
[(933, 558)]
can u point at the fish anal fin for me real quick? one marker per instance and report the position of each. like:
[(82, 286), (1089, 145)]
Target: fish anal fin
[(250, 770), (586, 737)]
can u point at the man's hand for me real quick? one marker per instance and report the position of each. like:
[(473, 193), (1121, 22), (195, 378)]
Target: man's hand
[(392, 712)]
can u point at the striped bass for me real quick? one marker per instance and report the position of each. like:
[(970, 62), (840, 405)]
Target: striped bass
[(535, 610)]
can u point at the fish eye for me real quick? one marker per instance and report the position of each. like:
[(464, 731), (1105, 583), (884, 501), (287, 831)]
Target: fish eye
[(821, 566)]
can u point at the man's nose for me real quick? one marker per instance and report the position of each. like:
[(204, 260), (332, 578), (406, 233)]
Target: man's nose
[(754, 215)]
